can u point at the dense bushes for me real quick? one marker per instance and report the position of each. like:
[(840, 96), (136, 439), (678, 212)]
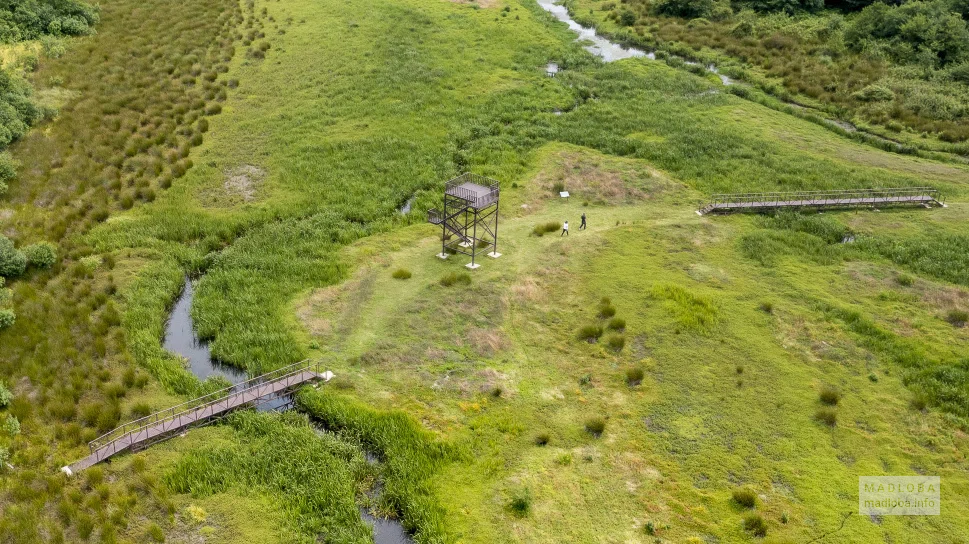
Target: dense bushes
[(41, 254), (31, 19), (890, 64), (12, 261), (17, 112), (927, 33)]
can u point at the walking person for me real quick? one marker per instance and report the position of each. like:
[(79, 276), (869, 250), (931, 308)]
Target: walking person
[(565, 229), (582, 226)]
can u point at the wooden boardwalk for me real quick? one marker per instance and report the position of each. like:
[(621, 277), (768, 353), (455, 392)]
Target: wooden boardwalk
[(823, 200), (165, 424)]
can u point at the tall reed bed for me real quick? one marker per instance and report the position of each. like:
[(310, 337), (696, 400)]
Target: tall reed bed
[(411, 456)]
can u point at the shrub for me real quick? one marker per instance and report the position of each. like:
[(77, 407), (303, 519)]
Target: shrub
[(957, 318), (627, 18), (874, 93), (456, 278), (590, 333), (904, 280), (827, 416), (41, 254), (401, 274), (5, 396), (521, 503), (615, 342), (11, 426), (12, 262), (830, 396), (542, 439), (7, 318), (634, 376), (754, 523), (545, 228), (745, 497), (595, 426), (686, 8), (617, 324)]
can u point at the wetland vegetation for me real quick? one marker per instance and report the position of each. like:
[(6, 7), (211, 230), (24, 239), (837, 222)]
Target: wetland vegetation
[(657, 376)]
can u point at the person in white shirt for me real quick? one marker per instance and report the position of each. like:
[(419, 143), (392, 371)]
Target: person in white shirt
[(565, 229)]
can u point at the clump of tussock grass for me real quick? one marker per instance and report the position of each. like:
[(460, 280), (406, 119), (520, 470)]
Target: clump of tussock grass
[(744, 497), (634, 376), (957, 318), (545, 228), (455, 278), (606, 309), (829, 395), (617, 324), (520, 503), (595, 426), (542, 439), (754, 524), (401, 274), (766, 307), (615, 342), (689, 310), (904, 280), (826, 416), (590, 333)]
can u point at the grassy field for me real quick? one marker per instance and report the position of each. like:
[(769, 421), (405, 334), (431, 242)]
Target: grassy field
[(479, 400)]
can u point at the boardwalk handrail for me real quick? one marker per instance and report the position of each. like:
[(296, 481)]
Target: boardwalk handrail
[(829, 197), (213, 398)]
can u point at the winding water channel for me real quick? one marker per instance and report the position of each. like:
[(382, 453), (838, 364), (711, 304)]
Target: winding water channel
[(180, 339), (598, 45)]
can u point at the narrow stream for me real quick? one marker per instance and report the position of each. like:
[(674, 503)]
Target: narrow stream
[(180, 339), (600, 46), (405, 209), (609, 51)]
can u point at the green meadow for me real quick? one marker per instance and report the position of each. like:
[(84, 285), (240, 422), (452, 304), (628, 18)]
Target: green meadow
[(659, 376)]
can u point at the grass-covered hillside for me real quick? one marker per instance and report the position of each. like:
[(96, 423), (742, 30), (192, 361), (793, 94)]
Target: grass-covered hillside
[(658, 376)]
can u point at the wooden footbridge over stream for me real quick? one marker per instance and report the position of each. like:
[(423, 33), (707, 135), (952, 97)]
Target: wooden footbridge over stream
[(822, 200), (141, 433)]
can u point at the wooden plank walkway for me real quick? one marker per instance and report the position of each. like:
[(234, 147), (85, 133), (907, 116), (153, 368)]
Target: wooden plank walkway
[(173, 421), (823, 200)]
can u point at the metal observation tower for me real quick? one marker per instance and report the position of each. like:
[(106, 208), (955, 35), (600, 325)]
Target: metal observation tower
[(469, 220)]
